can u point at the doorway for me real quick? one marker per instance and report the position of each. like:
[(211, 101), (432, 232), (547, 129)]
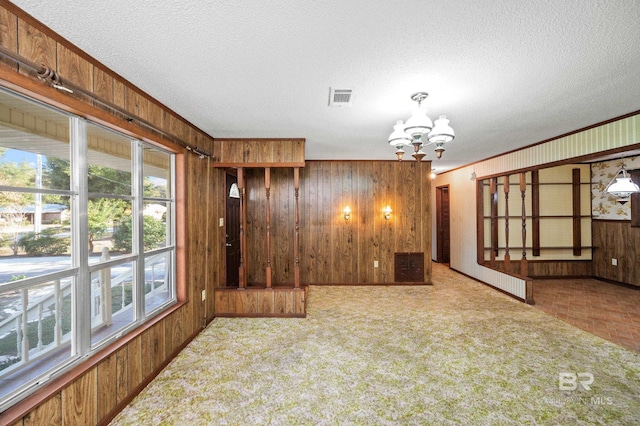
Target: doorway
[(443, 242), (232, 230)]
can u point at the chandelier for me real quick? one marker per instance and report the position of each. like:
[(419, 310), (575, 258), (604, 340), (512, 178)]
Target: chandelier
[(419, 131), (621, 186)]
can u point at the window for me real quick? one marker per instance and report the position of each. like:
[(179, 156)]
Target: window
[(87, 240)]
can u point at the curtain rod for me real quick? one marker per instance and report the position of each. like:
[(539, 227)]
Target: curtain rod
[(49, 76)]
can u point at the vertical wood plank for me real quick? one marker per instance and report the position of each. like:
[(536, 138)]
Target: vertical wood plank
[(325, 209), (36, 46), (309, 224), (47, 413), (146, 347), (79, 401), (107, 385), (132, 101), (154, 114), (170, 343), (222, 301), (299, 301), (266, 301), (102, 84), (386, 186), (122, 374), (243, 224), (75, 69), (119, 93), (156, 344), (535, 213), (367, 273), (279, 302), (135, 362), (577, 220), (250, 302), (425, 215), (9, 34)]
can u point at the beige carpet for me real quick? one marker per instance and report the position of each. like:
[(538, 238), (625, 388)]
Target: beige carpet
[(455, 353)]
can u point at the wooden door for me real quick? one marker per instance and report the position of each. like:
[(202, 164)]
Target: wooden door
[(232, 229), (442, 225)]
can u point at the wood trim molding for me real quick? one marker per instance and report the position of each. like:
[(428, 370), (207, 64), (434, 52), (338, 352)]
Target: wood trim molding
[(259, 165), (493, 188), (577, 222), (479, 222), (535, 213), (611, 220)]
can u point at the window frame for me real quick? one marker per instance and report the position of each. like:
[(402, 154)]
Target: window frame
[(81, 269)]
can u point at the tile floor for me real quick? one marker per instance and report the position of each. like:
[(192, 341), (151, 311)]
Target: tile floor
[(607, 310)]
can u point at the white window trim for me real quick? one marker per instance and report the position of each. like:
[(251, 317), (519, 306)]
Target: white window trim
[(80, 270)]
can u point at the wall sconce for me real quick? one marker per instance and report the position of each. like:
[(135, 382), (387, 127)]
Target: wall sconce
[(387, 212), (347, 213)]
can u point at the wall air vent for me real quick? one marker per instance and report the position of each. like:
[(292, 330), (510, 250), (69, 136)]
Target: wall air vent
[(340, 97)]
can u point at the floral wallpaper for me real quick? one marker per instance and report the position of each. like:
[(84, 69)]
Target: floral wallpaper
[(604, 206)]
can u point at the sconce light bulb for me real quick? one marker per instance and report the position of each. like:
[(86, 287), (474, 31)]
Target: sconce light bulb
[(347, 213), (387, 212)]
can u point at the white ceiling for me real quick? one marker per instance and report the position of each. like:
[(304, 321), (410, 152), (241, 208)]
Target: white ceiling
[(506, 73)]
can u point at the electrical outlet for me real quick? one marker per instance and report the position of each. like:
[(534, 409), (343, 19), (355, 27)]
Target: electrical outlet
[(204, 295), (221, 222), (614, 262), (375, 263)]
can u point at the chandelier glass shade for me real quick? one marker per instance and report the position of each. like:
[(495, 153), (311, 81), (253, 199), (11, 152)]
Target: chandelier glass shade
[(419, 131), (621, 186)]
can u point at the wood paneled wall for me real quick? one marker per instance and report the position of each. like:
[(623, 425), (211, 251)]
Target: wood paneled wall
[(257, 152), (100, 387), (277, 302), (616, 239), (332, 250)]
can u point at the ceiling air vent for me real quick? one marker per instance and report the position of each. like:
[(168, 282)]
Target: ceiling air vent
[(340, 97)]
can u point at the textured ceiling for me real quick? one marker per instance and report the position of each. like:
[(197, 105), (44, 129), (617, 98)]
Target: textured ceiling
[(506, 73)]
